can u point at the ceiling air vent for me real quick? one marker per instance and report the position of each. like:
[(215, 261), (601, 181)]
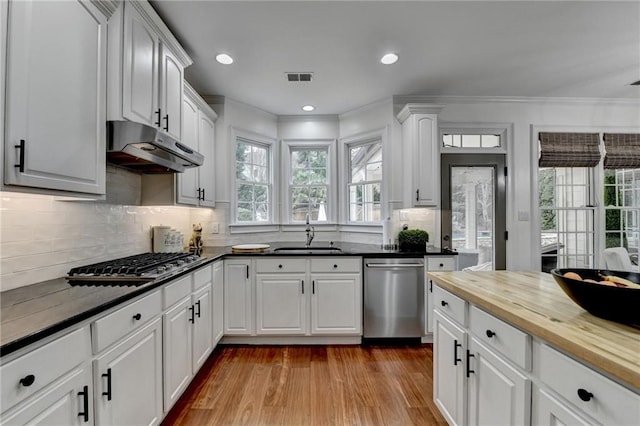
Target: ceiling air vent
[(299, 76)]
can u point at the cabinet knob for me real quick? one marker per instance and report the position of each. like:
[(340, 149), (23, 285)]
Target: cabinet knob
[(443, 303), (335, 266), (584, 394), (442, 265), (137, 316), (28, 380), (490, 333), (280, 266)]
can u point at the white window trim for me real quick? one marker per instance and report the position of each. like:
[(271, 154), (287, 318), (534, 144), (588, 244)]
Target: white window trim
[(332, 180), (270, 143), (363, 138), (504, 130)]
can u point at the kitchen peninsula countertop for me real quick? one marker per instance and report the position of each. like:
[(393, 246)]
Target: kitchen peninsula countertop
[(30, 313), (533, 302)]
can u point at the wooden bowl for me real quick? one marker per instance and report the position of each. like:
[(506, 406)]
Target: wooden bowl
[(618, 304)]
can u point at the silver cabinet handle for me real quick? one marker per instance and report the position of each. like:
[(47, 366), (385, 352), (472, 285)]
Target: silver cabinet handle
[(390, 266)]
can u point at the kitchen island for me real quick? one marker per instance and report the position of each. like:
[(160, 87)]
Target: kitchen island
[(524, 337)]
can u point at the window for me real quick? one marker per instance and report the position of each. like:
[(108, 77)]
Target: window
[(309, 184), (253, 182), (365, 180), (622, 208), (566, 217), (470, 141)]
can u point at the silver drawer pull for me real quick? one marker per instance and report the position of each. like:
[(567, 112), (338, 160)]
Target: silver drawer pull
[(391, 266)]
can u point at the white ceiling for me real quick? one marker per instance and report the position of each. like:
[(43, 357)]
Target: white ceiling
[(476, 48)]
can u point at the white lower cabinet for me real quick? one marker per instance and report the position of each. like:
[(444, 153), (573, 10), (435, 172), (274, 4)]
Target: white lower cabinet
[(68, 402), (281, 304), (217, 296), (449, 382), (202, 325), (238, 299), (498, 394), (177, 351), (552, 411), (435, 264), (336, 304), (128, 379)]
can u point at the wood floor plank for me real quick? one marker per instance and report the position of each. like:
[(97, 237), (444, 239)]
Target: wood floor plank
[(311, 385)]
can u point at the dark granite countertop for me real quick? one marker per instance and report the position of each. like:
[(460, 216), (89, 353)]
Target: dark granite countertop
[(30, 313)]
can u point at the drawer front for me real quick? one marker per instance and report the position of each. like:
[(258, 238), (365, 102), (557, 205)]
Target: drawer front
[(27, 374), (118, 324), (435, 264), (592, 393), (506, 339), (202, 277), (336, 264), (176, 291), (281, 265), (450, 305)]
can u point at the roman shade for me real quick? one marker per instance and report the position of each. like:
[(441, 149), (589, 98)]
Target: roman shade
[(569, 149), (622, 150)]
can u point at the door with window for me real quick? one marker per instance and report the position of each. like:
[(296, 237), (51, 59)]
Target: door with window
[(474, 209)]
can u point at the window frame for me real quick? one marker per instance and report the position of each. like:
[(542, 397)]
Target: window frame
[(309, 144), (502, 130), (251, 138)]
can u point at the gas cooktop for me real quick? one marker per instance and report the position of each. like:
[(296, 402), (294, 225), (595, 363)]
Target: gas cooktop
[(133, 270)]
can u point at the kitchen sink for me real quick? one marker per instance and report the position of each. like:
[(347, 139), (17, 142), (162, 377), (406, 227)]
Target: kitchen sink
[(306, 250)]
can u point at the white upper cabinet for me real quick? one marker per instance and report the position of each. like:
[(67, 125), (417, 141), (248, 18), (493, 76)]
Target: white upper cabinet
[(196, 185), (56, 63), (421, 154), (146, 67)]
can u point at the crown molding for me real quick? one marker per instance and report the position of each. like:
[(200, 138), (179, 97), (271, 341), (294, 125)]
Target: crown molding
[(418, 108), (308, 118), (107, 7), (200, 102), (399, 100)]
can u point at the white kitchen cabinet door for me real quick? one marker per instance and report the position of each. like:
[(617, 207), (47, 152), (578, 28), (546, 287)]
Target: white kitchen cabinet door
[(55, 96), (128, 380), (140, 70), (281, 303), (336, 304), (188, 192), (218, 301), (421, 159), (498, 393), (177, 351), (551, 411), (449, 381), (171, 78), (238, 300), (68, 402), (206, 172), (202, 323)]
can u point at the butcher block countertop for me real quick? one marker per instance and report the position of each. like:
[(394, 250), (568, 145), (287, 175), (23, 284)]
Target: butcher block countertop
[(533, 302)]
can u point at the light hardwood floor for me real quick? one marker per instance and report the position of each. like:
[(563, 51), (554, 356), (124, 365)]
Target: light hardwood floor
[(311, 385)]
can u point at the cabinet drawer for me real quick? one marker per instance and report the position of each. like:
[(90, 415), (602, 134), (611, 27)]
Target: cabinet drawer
[(607, 402), (175, 291), (336, 264), (450, 305), (435, 264), (202, 277), (27, 374), (506, 339), (118, 324), (281, 265)]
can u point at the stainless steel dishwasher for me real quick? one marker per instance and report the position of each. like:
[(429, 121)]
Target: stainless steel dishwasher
[(393, 297)]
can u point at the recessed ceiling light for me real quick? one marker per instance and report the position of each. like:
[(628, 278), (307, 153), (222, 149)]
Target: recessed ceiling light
[(224, 59), (308, 108), (389, 58)]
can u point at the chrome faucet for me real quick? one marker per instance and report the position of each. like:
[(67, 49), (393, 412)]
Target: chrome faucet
[(311, 232)]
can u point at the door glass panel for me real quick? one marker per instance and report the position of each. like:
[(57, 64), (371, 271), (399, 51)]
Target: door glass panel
[(472, 215)]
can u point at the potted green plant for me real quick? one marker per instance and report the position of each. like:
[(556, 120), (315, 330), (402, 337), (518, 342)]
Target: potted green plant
[(413, 240)]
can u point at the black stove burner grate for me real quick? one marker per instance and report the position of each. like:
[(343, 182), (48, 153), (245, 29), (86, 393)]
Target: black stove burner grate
[(135, 265)]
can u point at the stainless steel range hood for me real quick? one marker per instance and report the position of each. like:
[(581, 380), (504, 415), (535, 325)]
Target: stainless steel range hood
[(144, 149)]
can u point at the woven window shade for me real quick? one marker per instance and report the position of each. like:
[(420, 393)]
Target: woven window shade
[(569, 149), (622, 150)]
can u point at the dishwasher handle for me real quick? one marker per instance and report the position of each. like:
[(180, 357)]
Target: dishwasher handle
[(394, 266)]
